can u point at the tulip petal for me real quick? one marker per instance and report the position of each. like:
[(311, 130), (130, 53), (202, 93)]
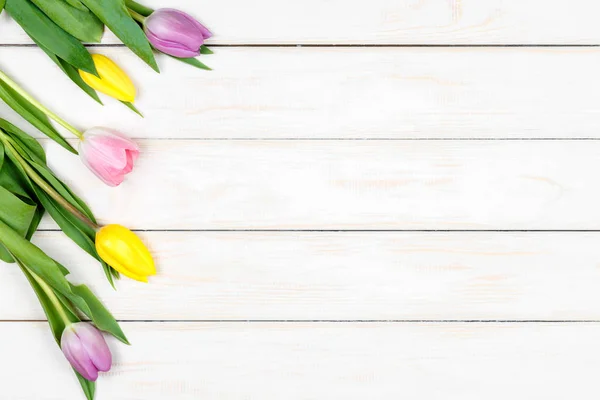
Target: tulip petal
[(108, 154), (175, 33), (77, 355), (113, 81), (95, 346), (124, 251)]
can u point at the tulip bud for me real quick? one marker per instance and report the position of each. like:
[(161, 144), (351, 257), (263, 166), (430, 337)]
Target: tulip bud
[(85, 348), (113, 81), (108, 154), (175, 33), (124, 251)]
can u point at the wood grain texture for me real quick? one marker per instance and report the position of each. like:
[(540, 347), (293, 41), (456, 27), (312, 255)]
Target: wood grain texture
[(339, 93), (349, 185), (339, 276), (241, 361), (383, 22)]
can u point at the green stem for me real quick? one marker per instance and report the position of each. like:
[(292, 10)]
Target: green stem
[(45, 186), (6, 79), (52, 297), (137, 16), (138, 8), (58, 306)]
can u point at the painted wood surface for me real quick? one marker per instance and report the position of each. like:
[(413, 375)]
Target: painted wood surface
[(395, 217), (384, 22), (241, 361), (340, 276), (340, 93), (349, 185)]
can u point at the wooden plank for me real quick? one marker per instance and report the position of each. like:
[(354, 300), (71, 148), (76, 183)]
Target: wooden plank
[(240, 361), (349, 185), (384, 22), (340, 93), (340, 276)]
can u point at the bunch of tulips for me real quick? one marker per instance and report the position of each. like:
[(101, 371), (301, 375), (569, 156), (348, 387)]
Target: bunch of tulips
[(61, 27), (29, 188)]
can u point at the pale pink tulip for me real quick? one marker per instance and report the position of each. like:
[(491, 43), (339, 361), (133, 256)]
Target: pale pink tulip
[(85, 348), (108, 154)]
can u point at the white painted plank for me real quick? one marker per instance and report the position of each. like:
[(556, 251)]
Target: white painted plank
[(383, 22), (340, 276), (238, 361), (350, 185), (340, 93)]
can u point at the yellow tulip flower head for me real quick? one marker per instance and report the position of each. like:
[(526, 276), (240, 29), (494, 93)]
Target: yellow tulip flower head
[(113, 81), (124, 251)]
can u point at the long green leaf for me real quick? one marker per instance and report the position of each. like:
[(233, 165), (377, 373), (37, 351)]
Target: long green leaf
[(33, 147), (15, 212), (89, 387), (81, 24), (71, 72), (77, 4), (2, 3), (101, 317), (44, 30), (116, 17), (57, 326), (34, 116), (193, 62), (138, 8)]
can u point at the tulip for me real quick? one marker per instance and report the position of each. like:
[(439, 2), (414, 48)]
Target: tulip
[(112, 81), (108, 154), (175, 33), (124, 251), (85, 348)]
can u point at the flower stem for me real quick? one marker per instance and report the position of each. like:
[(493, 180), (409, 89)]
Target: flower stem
[(6, 79), (45, 186), (138, 8), (58, 306), (137, 16)]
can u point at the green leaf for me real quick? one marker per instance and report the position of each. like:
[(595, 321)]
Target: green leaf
[(138, 8), (32, 146), (101, 317), (71, 72), (53, 37), (2, 3), (61, 188), (11, 179), (205, 50), (116, 17), (39, 263), (132, 108), (57, 325), (15, 212), (34, 116), (78, 4), (89, 387), (80, 23), (193, 62)]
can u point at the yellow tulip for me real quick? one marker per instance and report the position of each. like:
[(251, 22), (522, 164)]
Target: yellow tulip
[(124, 251), (113, 81)]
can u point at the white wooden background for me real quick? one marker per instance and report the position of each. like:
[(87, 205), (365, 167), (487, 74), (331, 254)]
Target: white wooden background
[(411, 214)]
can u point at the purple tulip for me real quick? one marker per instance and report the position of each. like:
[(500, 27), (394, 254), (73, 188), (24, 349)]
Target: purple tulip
[(85, 348), (175, 33)]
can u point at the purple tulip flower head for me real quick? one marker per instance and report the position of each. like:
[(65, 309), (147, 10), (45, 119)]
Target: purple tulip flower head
[(175, 33), (85, 348)]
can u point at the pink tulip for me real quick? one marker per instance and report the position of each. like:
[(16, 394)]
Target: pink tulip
[(108, 154), (85, 348), (175, 33)]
